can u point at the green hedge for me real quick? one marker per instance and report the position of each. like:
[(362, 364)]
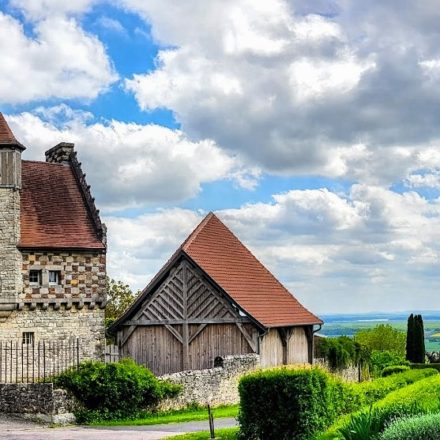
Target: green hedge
[(114, 390), (393, 369), (421, 397), (422, 366), (425, 427), (285, 404)]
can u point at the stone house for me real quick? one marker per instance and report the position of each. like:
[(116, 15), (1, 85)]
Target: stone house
[(212, 299), (52, 249)]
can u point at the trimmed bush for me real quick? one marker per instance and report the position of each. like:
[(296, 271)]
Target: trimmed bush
[(393, 369), (425, 427), (285, 404), (423, 366), (421, 397), (115, 390)]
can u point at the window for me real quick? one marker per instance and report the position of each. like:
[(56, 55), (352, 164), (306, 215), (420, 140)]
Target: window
[(28, 338), (54, 277), (35, 277)]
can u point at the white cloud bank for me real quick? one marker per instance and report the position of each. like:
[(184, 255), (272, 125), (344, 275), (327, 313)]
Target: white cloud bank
[(339, 88), (369, 250), (130, 165), (61, 60)]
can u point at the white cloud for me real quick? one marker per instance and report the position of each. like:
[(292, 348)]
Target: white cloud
[(62, 61), (38, 9), (296, 87), (130, 165), (369, 250)]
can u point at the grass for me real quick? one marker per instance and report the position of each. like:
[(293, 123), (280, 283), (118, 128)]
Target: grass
[(180, 416), (220, 434)]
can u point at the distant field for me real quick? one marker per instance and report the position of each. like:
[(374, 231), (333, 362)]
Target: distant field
[(349, 325)]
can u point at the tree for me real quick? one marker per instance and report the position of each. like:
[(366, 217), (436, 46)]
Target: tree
[(119, 298), (415, 340), (383, 337), (410, 341), (419, 340)]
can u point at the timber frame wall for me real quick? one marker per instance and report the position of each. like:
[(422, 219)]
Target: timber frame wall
[(185, 322)]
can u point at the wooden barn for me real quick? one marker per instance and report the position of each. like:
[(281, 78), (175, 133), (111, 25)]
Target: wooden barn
[(211, 299)]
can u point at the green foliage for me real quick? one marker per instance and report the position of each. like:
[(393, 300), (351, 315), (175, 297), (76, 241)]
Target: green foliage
[(393, 369), (364, 426), (220, 434), (422, 427), (342, 352), (415, 339), (119, 298), (114, 390), (422, 366), (383, 359), (420, 397), (383, 337), (285, 404)]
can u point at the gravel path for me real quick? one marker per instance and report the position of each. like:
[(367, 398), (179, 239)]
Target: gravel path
[(22, 430)]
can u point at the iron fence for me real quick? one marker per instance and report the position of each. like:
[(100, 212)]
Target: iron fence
[(22, 362)]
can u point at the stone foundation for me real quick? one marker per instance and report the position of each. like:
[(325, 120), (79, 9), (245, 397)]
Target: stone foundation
[(59, 324), (37, 401), (215, 386)]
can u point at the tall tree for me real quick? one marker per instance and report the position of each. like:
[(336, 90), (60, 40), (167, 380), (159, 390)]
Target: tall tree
[(419, 340), (119, 298), (410, 339)]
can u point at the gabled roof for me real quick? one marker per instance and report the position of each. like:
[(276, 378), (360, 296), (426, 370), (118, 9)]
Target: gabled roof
[(238, 273), (53, 211), (6, 135)]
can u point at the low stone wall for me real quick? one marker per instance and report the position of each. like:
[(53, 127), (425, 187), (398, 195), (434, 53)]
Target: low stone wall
[(215, 386), (37, 401)]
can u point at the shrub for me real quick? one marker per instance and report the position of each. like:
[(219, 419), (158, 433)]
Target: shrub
[(370, 392), (383, 337), (114, 390), (393, 369), (422, 366), (420, 397), (382, 359), (342, 352), (285, 404), (425, 427)]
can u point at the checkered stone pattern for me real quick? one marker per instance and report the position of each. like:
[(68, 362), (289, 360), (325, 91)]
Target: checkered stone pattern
[(82, 276)]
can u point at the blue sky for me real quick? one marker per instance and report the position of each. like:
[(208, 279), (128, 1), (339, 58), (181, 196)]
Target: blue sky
[(312, 134)]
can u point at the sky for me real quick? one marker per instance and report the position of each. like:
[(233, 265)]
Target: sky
[(311, 128)]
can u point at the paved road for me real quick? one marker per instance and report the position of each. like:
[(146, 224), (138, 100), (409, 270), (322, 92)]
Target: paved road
[(21, 430)]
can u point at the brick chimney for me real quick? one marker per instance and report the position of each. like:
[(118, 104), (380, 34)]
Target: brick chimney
[(61, 153)]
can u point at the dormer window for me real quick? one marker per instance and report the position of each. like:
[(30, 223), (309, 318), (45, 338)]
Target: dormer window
[(35, 277), (54, 277)]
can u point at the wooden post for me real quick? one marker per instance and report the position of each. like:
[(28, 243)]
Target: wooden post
[(185, 326), (211, 423)]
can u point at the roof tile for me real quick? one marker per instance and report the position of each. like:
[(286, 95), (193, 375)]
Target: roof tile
[(53, 211), (237, 271)]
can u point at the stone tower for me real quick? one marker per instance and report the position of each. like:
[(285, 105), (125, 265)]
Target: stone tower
[(10, 185)]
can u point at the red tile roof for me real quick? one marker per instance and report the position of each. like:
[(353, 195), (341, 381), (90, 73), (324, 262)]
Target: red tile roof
[(6, 135), (53, 211), (236, 270)]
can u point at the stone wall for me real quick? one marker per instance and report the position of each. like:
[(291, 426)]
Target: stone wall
[(83, 276), (10, 257), (37, 401), (349, 374), (215, 386), (59, 324)]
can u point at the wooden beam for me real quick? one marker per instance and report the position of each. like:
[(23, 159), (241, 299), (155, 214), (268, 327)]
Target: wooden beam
[(146, 322), (247, 336), (174, 332), (127, 335), (185, 326), (197, 333)]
